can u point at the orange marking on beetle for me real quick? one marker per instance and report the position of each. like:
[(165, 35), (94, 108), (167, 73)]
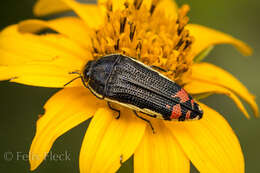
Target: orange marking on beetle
[(188, 115), (183, 95), (192, 104), (176, 111)]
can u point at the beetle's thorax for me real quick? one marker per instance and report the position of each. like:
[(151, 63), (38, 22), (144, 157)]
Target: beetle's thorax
[(98, 72)]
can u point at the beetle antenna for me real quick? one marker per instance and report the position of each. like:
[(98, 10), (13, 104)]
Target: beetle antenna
[(80, 76), (72, 80), (75, 72)]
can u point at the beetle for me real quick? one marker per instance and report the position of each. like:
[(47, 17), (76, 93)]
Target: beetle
[(123, 80)]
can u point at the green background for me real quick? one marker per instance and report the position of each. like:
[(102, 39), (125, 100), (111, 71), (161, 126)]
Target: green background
[(20, 105)]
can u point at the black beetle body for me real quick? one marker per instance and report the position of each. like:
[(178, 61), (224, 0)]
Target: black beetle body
[(128, 82)]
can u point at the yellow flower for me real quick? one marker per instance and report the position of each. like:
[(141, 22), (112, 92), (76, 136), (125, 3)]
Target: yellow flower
[(151, 31)]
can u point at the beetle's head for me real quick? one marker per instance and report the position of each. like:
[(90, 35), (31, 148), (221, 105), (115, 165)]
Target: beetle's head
[(87, 70)]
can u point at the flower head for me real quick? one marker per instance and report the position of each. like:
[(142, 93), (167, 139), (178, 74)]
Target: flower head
[(154, 32)]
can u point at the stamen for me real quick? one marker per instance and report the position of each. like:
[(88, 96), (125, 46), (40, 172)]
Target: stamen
[(152, 9), (188, 43), (117, 45), (132, 31), (126, 4), (108, 17), (109, 5), (95, 50), (182, 18), (179, 44), (138, 3), (139, 46), (179, 30), (122, 24)]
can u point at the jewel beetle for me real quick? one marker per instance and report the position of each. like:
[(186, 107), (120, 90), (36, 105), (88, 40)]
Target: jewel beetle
[(124, 80)]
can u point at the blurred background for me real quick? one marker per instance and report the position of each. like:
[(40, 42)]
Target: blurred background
[(20, 105)]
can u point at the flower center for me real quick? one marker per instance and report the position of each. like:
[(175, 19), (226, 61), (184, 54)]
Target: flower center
[(147, 34)]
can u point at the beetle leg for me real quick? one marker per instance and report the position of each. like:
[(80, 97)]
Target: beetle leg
[(118, 111), (149, 122), (158, 68)]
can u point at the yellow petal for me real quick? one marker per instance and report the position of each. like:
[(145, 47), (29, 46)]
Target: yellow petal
[(212, 74), (26, 57), (107, 139), (210, 143), (72, 27), (160, 152), (92, 14), (40, 47), (200, 87), (65, 110), (46, 7), (206, 37), (37, 75)]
